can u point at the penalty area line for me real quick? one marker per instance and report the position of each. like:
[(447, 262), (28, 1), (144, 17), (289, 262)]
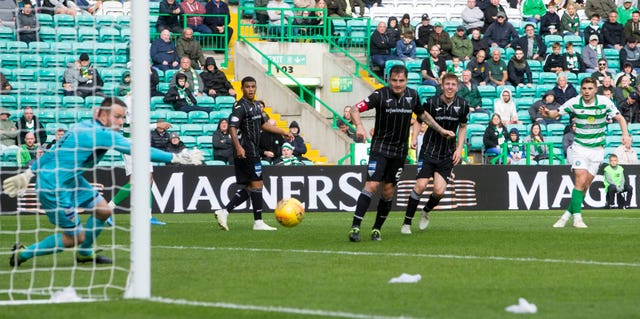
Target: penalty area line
[(438, 256), (295, 311)]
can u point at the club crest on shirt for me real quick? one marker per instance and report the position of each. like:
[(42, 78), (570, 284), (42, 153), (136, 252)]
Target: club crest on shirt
[(409, 99), (456, 109)]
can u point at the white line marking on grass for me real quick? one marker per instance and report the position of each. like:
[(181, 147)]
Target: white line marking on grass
[(296, 311), (441, 256)]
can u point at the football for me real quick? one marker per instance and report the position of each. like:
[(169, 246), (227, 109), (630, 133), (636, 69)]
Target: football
[(289, 212)]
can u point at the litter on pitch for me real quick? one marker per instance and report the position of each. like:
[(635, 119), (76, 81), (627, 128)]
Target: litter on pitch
[(406, 279), (523, 306)]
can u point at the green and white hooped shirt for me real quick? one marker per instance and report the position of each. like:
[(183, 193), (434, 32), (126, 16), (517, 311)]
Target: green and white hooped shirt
[(591, 120)]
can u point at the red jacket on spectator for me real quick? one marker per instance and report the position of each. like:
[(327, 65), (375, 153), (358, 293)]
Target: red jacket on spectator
[(193, 7)]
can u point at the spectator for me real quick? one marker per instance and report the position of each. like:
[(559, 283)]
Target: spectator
[(28, 123), (381, 46), (5, 86), (373, 3), (549, 101), (563, 90), (478, 42), (518, 69), (613, 32), (27, 153), (570, 21), (423, 32), (532, 45), (573, 60), (555, 62), (472, 16), (514, 147), (405, 24), (337, 8), (626, 154), (599, 7), (270, 144), (497, 69), (607, 84), (278, 19), (419, 138), (27, 26), (181, 96), (361, 8), (627, 70), (215, 81), (468, 91), (494, 136), (8, 131), (478, 68), (501, 33), (455, 68), (187, 46), (491, 13), (194, 9), (432, 68), (591, 53), (170, 17), (616, 184), (82, 79), (550, 22), (125, 84), (537, 149), (287, 158), (154, 80), (299, 147), (193, 78), (461, 46), (52, 7), (593, 29), (533, 10), (222, 144), (406, 47), (175, 145), (344, 128), (630, 53), (220, 25), (629, 105), (601, 72), (163, 52), (568, 137), (506, 108), (632, 27), (441, 39), (159, 136), (315, 21), (393, 33), (60, 131), (625, 11)]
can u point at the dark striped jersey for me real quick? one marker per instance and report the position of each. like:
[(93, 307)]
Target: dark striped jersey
[(434, 145), (246, 116), (393, 120)]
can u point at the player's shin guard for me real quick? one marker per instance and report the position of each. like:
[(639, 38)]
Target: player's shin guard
[(240, 197), (433, 202), (256, 202), (384, 206), (412, 205), (364, 200), (93, 228), (122, 194), (577, 196), (50, 245)]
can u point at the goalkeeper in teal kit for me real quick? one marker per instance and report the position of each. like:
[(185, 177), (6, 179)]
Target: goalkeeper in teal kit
[(62, 189)]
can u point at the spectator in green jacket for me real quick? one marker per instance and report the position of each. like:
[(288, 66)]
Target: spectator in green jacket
[(461, 45), (469, 92), (625, 11), (616, 184), (187, 46), (533, 10), (28, 151)]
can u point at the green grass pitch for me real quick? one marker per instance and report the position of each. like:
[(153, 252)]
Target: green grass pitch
[(473, 265)]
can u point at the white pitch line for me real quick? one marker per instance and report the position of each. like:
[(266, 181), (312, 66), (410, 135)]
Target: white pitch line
[(297, 311), (440, 256)]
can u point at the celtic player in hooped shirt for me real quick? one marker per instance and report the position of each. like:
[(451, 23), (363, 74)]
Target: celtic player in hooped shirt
[(590, 113)]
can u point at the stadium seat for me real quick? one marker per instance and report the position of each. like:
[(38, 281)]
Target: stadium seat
[(6, 33), (524, 91), (154, 116), (524, 103), (30, 75), (487, 91), (555, 129), (209, 128), (478, 118), (83, 115), (109, 34), (225, 102), (422, 53), (123, 22), (206, 101), (16, 47), (45, 20), (198, 117), (28, 100), (614, 129), (64, 20), (47, 34), (112, 75), (8, 101), (205, 142), (87, 34), (72, 102), (414, 78), (10, 155), (524, 117), (543, 88), (50, 101), (65, 33), (215, 116), (535, 65), (426, 91), (634, 130), (85, 20), (414, 65), (46, 116), (613, 141), (189, 141), (39, 47), (177, 117), (191, 129), (547, 78), (9, 61), (216, 163), (105, 21), (112, 8), (92, 101)]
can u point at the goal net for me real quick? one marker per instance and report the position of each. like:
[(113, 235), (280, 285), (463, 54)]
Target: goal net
[(36, 72)]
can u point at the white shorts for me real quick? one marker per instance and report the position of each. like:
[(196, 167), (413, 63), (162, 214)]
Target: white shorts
[(588, 158), (128, 164)]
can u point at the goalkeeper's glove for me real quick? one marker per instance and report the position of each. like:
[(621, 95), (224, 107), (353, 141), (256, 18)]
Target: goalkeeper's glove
[(188, 157), (17, 185)]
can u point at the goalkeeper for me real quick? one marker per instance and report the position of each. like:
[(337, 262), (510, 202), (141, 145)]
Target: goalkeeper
[(62, 189)]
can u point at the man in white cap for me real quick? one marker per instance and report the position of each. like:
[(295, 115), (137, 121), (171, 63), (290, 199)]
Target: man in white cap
[(591, 53)]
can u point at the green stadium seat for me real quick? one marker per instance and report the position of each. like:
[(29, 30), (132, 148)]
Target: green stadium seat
[(200, 117), (582, 76), (571, 77), (39, 47), (92, 101), (543, 88), (88, 47), (204, 142), (30, 75), (552, 38), (110, 88), (555, 129), (475, 133), (209, 128), (8, 102), (225, 102), (16, 47), (102, 62), (45, 20), (46, 116), (87, 34), (523, 116), (422, 53), (189, 141), (511, 88), (216, 116), (478, 118), (191, 129), (414, 65), (414, 78), (72, 102), (6, 33), (9, 61), (50, 101), (487, 91), (525, 91), (523, 129), (10, 155), (62, 47), (9, 74), (154, 116), (125, 35), (105, 21), (535, 65), (634, 130), (206, 101), (614, 129), (31, 61), (547, 78), (28, 100), (524, 103), (357, 38), (168, 75), (122, 49), (112, 75), (155, 100), (64, 20), (85, 20), (109, 34), (66, 33), (426, 91), (83, 115), (47, 34), (177, 117), (123, 22)]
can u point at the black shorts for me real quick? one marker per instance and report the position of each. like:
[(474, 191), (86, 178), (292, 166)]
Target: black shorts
[(247, 170), (427, 167), (384, 169)]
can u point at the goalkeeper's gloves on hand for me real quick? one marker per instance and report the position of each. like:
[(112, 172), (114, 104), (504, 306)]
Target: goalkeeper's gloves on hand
[(189, 157), (17, 185)]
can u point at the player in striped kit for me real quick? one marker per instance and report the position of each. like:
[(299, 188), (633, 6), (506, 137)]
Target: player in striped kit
[(587, 151)]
